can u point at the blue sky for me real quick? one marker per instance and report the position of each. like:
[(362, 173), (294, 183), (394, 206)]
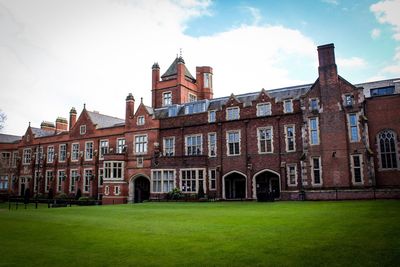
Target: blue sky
[(58, 54)]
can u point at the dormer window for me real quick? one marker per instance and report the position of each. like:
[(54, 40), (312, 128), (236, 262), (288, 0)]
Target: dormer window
[(288, 106), (82, 129), (207, 80), (232, 113), (172, 111), (192, 98), (140, 120), (263, 109), (212, 116), (348, 100), (167, 98)]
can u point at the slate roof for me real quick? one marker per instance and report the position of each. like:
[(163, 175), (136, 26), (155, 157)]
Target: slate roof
[(9, 139), (42, 133), (172, 71), (104, 121)]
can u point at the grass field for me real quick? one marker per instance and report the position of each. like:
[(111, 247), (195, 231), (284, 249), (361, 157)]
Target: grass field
[(348, 233)]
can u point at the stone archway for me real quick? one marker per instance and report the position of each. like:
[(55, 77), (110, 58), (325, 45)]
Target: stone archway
[(139, 188), (266, 185), (234, 185)]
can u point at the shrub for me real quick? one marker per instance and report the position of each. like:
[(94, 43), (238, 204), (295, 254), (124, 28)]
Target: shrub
[(78, 194), (200, 194), (61, 196), (175, 194)]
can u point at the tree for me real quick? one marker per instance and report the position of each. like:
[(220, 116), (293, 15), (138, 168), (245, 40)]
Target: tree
[(3, 118)]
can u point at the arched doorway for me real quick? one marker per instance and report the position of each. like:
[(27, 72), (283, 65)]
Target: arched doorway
[(234, 185), (139, 189), (266, 185)]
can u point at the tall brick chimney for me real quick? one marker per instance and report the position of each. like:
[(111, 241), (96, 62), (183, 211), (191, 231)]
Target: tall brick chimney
[(130, 107), (154, 81), (61, 125), (204, 81), (327, 69), (72, 118)]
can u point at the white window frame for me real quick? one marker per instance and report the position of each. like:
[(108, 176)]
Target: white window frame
[(14, 158), (140, 120), (50, 154), (117, 190), (196, 170), (87, 175), (288, 174), (212, 118), (353, 167), (74, 176), (107, 190), (120, 148), (86, 151), (395, 152), (215, 145), (287, 137), (109, 166), (141, 145), (316, 101), (101, 177), (47, 181), (171, 151), (211, 179), (162, 180), (350, 127), (259, 140), (75, 152), (207, 80), (291, 109), (268, 111), (6, 160), (59, 180), (229, 114), (27, 156), (310, 131), (105, 148), (82, 129), (348, 100), (192, 97), (169, 102), (60, 150), (312, 171), (196, 146), (227, 142)]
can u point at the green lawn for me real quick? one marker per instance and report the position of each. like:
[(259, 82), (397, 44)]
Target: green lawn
[(348, 233)]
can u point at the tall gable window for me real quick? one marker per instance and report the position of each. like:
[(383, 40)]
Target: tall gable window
[(353, 127), (167, 98), (212, 144), (27, 156), (82, 129), (314, 131), (288, 106), (194, 145), (233, 143), (169, 146), (263, 109), (120, 145), (316, 171), (62, 152), (50, 154), (212, 116), (140, 120), (103, 148), (348, 100), (88, 150), (75, 152), (265, 140), (388, 149), (140, 144), (232, 113), (290, 136), (314, 104)]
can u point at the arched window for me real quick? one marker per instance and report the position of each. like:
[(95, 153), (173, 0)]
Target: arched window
[(388, 149)]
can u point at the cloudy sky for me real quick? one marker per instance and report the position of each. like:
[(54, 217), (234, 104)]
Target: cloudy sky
[(58, 54)]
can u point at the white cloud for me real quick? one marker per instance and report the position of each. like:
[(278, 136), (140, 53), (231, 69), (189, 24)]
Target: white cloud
[(353, 62), (387, 11), (375, 33), (255, 13), (332, 2), (392, 69), (59, 54)]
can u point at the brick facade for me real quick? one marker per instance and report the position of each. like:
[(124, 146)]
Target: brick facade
[(326, 139)]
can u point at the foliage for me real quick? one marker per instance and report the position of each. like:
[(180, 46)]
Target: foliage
[(342, 233), (200, 194), (175, 194), (78, 194), (61, 196)]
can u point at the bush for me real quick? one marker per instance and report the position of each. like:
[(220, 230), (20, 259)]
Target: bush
[(85, 199), (175, 194), (61, 196)]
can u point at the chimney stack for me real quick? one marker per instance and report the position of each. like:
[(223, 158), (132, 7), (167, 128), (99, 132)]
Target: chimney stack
[(47, 126), (72, 118), (61, 125), (130, 107), (327, 69)]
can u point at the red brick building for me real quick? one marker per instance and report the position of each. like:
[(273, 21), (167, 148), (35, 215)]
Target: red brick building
[(326, 140)]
